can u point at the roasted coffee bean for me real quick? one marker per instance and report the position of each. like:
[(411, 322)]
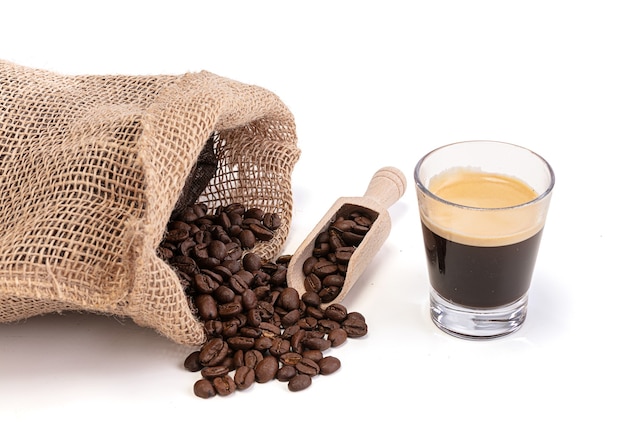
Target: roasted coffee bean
[(343, 225), (272, 221), (226, 310), (262, 232), (327, 325), (328, 365), (240, 343), (329, 293), (336, 312), (254, 213), (244, 377), (217, 249), (223, 294), (252, 358), (184, 264), (279, 347), (314, 312), (250, 332), (355, 328), (352, 238), (204, 389), (266, 369), (270, 329), (249, 300), (239, 283), (297, 340), (213, 352), (234, 251), (206, 306), (307, 323), (336, 240), (313, 355), (254, 317), (290, 318), (309, 264), (324, 267), (192, 362), (279, 277), (263, 343), (289, 299), (224, 385), (299, 382), (308, 367), (311, 298), (290, 358), (344, 254), (204, 284), (317, 343), (337, 337), (211, 372), (286, 372), (312, 283), (213, 328), (333, 280), (177, 235)]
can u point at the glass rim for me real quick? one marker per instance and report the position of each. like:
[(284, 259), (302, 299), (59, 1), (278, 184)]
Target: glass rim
[(429, 193)]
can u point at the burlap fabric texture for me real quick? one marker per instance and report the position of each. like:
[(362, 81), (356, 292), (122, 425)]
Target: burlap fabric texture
[(91, 168)]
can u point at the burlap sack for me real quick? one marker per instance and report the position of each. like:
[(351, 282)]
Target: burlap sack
[(91, 168)]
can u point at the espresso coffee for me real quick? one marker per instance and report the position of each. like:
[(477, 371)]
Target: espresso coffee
[(482, 245)]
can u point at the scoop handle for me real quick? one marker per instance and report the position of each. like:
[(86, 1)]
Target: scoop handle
[(387, 186)]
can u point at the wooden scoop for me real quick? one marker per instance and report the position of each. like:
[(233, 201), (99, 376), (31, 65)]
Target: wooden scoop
[(385, 188)]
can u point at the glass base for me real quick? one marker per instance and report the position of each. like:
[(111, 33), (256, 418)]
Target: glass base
[(477, 323)]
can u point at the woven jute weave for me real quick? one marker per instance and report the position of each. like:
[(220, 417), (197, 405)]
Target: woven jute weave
[(91, 169)]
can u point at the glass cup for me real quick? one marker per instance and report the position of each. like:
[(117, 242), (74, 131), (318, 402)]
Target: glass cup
[(483, 206)]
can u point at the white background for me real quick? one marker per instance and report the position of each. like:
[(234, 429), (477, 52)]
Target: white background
[(370, 84)]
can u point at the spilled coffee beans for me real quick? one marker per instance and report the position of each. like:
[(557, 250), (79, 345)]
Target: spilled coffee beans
[(258, 328)]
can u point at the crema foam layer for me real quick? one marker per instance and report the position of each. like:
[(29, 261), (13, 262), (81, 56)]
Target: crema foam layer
[(482, 209)]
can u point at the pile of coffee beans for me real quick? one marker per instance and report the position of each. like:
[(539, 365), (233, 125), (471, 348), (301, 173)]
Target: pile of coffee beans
[(325, 270), (258, 328)]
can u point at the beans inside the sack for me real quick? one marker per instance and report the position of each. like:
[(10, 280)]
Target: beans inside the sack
[(258, 328)]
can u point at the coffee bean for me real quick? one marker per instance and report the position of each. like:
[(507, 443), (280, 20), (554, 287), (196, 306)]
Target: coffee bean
[(313, 354), (289, 299), (336, 312), (337, 337), (328, 365), (240, 343), (299, 382), (308, 265), (317, 343), (286, 372), (224, 385), (262, 232), (217, 249), (211, 372), (355, 328), (312, 283), (244, 377), (247, 239), (213, 328), (308, 367), (204, 283), (324, 267), (207, 307), (213, 352), (204, 389), (192, 362), (266, 369), (252, 358)]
